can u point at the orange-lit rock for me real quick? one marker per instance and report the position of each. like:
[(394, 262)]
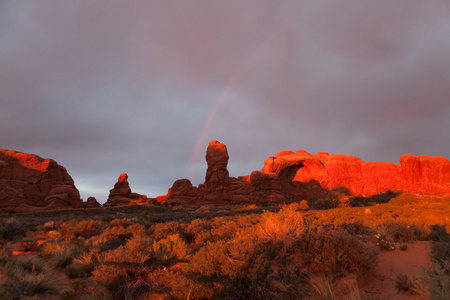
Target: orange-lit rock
[(29, 183), (290, 176), (322, 173), (121, 193)]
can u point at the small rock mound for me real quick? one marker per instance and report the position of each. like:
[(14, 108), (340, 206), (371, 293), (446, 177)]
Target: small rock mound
[(91, 203), (121, 194)]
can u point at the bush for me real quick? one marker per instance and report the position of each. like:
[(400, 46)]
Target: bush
[(75, 229), (25, 276), (79, 270), (11, 229), (403, 283), (171, 249), (27, 246), (334, 251), (64, 256), (123, 271)]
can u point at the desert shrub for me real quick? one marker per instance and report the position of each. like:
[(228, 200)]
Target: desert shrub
[(381, 198), (64, 256), (66, 294), (125, 222), (163, 230), (320, 204), (334, 251), (26, 277), (171, 249), (30, 284), (285, 227), (79, 270), (111, 238), (321, 288), (198, 232), (137, 229), (441, 251), (27, 246), (435, 282), (11, 229), (359, 201), (403, 283), (123, 271), (438, 233), (391, 231), (353, 227), (75, 229), (5, 255), (30, 264)]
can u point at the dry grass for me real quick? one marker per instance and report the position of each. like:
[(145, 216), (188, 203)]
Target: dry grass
[(272, 252)]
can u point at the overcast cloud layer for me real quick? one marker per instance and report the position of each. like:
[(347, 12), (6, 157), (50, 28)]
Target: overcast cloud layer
[(105, 87)]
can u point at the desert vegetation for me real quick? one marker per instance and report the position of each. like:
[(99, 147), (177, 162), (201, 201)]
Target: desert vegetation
[(236, 252)]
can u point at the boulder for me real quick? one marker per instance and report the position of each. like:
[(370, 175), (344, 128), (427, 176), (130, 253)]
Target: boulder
[(121, 194), (29, 183)]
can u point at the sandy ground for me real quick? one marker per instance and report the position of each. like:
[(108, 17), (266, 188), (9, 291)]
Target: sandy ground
[(381, 281)]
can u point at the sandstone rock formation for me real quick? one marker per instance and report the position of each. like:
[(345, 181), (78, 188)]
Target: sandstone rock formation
[(91, 203), (290, 176), (301, 173), (29, 183), (121, 193)]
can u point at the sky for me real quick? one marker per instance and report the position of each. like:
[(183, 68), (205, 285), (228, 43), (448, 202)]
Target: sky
[(141, 87)]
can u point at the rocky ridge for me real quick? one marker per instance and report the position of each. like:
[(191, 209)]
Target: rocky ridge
[(295, 176)]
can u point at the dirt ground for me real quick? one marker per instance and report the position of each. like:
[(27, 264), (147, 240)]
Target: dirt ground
[(381, 281)]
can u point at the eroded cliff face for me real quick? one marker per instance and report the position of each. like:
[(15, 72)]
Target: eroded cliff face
[(421, 174), (29, 183), (290, 176)]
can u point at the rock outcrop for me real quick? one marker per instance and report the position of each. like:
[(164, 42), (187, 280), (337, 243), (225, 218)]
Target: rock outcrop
[(304, 174), (121, 194), (29, 183), (290, 176), (91, 203)]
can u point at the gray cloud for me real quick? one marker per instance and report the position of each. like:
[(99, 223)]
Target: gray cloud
[(105, 87)]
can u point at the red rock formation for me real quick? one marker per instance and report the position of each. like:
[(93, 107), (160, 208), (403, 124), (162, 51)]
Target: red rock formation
[(91, 203), (321, 173), (290, 176), (121, 193), (29, 183)]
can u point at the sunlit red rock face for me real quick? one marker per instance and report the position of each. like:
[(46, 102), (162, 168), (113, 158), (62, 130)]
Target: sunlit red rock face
[(302, 174), (29, 183), (121, 193), (290, 176)]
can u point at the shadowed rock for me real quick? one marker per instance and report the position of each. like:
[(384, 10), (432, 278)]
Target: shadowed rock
[(29, 183)]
